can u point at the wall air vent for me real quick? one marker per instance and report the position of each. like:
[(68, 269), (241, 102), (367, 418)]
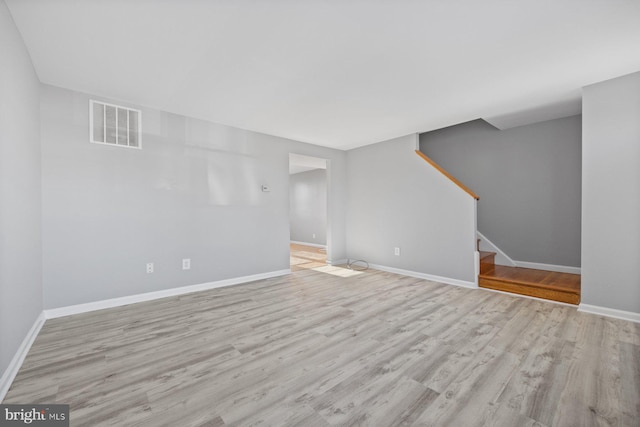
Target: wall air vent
[(114, 125)]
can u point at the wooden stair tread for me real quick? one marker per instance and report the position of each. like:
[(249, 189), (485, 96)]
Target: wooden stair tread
[(562, 287), (487, 261), (542, 278), (485, 254)]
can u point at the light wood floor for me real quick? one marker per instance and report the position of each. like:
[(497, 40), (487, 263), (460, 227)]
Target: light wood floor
[(317, 349), (306, 257)]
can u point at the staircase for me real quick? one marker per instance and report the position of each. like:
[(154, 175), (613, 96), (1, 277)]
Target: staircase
[(487, 261), (551, 285), (561, 287)]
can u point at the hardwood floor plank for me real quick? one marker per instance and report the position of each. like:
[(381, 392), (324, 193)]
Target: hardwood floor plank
[(501, 415), (320, 348), (398, 404), (534, 388), (629, 381), (279, 415), (375, 372), (592, 391), (476, 387)]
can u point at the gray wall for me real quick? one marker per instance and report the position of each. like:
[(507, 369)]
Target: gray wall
[(528, 179), (193, 191), (396, 199), (308, 206), (20, 226), (611, 194)]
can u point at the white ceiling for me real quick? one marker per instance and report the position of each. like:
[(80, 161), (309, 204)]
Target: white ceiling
[(569, 105), (335, 73)]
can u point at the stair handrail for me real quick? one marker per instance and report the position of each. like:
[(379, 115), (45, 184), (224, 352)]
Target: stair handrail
[(447, 174)]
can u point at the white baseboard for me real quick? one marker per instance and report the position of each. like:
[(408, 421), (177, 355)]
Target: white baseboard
[(337, 261), (315, 245), (610, 312), (549, 267), (425, 276), (14, 366), (149, 296), (504, 259)]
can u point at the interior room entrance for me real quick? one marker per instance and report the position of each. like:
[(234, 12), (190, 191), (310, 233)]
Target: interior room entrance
[(307, 211)]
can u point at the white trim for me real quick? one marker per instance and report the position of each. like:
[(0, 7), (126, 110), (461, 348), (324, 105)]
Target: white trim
[(512, 294), (149, 296), (476, 266), (14, 366), (610, 312), (337, 261), (417, 140), (549, 267), (497, 250), (476, 246), (446, 280), (315, 245), (525, 264)]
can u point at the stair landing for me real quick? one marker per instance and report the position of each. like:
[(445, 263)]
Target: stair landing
[(562, 287)]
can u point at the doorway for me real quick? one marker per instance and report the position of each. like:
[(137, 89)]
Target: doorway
[(308, 218)]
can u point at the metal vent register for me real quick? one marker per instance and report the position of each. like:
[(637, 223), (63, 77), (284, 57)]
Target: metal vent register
[(114, 125)]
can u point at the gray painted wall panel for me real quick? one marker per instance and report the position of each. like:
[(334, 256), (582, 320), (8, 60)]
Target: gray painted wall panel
[(20, 192), (396, 199), (308, 206), (528, 179), (611, 194), (193, 191)]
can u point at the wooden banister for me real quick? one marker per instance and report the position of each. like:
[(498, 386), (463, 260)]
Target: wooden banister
[(447, 174)]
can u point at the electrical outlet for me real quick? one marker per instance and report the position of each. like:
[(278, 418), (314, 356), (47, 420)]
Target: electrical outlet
[(314, 235), (149, 267), (396, 251), (186, 263)]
